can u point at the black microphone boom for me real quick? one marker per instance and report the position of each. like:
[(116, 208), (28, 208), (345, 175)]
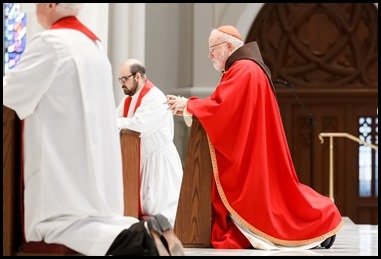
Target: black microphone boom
[(311, 119), (283, 82)]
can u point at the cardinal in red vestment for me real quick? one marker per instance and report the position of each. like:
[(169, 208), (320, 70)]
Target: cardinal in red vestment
[(257, 199)]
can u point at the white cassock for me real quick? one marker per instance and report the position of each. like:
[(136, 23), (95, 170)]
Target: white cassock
[(161, 167), (72, 161)]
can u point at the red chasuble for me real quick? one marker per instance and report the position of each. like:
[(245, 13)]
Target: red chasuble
[(254, 176)]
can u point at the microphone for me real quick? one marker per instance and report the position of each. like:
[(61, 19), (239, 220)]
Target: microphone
[(311, 120), (283, 82)]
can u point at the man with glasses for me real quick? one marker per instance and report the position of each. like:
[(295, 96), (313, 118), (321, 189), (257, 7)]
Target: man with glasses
[(143, 110), (257, 200), (62, 91)]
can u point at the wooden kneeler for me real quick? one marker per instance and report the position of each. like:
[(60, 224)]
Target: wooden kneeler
[(42, 248), (130, 145), (194, 212)]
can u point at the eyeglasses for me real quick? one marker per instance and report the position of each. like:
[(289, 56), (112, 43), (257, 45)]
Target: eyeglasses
[(211, 48), (124, 79)]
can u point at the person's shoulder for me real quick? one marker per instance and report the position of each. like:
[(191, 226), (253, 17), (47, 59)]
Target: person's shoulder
[(157, 89), (245, 62), (49, 35), (45, 41), (242, 64), (157, 93)]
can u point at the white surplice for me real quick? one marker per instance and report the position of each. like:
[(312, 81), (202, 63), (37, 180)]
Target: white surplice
[(62, 88), (161, 167)]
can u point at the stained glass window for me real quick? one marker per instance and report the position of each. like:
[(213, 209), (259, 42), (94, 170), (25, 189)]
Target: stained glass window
[(14, 34)]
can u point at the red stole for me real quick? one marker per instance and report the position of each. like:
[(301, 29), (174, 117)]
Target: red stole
[(148, 86), (71, 22), (143, 92)]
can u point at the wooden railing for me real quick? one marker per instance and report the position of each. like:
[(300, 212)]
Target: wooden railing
[(331, 135)]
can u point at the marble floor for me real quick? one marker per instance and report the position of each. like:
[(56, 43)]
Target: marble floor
[(352, 240)]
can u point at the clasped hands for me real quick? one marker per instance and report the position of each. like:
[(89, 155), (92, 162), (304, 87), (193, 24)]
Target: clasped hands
[(176, 104)]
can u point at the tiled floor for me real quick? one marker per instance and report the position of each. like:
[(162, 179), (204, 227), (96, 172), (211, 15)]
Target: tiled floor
[(352, 240)]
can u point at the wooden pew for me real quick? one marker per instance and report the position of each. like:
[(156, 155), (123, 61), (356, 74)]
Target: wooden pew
[(130, 145), (194, 212)]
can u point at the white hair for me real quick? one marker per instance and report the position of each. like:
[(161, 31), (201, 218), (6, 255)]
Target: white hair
[(69, 9), (237, 43)]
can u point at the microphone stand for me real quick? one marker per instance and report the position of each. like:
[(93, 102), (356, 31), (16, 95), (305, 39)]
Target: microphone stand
[(311, 120)]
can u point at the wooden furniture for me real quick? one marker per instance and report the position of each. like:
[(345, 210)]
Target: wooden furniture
[(9, 148), (12, 239), (12, 232), (193, 219), (194, 212), (130, 145)]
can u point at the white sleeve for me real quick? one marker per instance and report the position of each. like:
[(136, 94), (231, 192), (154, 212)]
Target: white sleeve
[(120, 109), (31, 78)]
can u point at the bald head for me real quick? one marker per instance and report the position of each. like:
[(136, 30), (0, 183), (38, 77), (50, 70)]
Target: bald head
[(133, 66), (132, 61)]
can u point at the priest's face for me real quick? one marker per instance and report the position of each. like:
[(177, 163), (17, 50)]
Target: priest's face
[(130, 88), (218, 52), (219, 59), (128, 79)]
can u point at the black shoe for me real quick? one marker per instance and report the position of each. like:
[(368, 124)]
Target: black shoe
[(166, 241), (328, 242)]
